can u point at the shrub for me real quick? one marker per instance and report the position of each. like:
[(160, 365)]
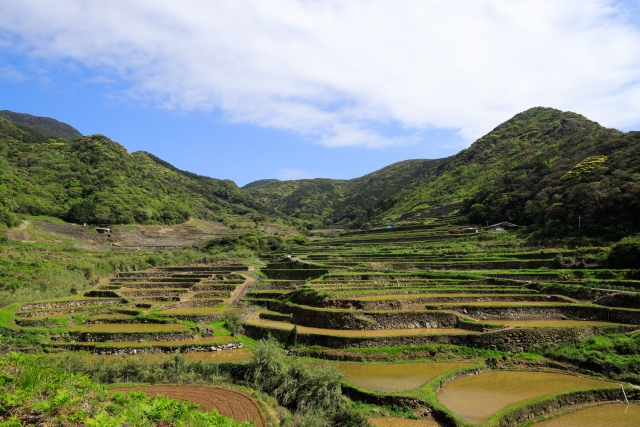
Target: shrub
[(312, 390), (625, 253), (233, 322)]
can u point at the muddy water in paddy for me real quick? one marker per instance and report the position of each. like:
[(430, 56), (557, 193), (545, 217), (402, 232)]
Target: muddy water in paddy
[(619, 415), (551, 323), (475, 398), (396, 376), (132, 327), (401, 422), (354, 333)]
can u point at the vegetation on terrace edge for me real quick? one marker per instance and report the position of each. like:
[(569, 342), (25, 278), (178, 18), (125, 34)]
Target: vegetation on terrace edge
[(33, 390)]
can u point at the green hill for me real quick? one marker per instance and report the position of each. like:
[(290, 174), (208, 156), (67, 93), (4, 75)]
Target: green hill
[(324, 201), (45, 125), (95, 180), (555, 172), (543, 168)]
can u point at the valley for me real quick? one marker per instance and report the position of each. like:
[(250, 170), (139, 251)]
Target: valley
[(451, 292)]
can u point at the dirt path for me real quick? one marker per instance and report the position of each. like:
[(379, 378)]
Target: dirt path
[(24, 225), (241, 290), (226, 402)]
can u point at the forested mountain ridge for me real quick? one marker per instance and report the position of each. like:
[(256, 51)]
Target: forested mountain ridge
[(555, 172), (543, 168), (95, 180), (45, 125), (324, 201)]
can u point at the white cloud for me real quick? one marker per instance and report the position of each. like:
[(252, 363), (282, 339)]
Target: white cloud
[(337, 71), (288, 174)]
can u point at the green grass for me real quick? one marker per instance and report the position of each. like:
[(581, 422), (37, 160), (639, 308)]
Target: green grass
[(44, 218), (31, 384)]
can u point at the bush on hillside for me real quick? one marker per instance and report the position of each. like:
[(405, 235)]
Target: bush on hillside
[(312, 390), (625, 253)]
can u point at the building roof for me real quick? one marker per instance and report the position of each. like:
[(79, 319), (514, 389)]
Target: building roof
[(503, 224)]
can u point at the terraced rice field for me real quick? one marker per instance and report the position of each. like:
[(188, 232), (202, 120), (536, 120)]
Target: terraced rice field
[(549, 323), (226, 402), (132, 328), (193, 310), (355, 333), (475, 398), (395, 377), (176, 343), (227, 356), (616, 414), (374, 288)]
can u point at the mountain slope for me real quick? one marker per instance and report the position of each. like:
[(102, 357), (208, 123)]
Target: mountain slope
[(95, 180), (259, 183), (45, 125), (322, 200), (544, 168)]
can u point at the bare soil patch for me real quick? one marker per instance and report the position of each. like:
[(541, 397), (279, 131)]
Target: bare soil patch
[(228, 403)]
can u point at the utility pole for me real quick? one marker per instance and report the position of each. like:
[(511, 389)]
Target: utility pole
[(579, 223)]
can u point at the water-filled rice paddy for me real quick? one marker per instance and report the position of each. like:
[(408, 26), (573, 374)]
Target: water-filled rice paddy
[(397, 376), (402, 422), (353, 333), (618, 414), (551, 323), (475, 398), (132, 327)]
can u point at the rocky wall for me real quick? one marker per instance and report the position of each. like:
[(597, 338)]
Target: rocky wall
[(568, 311), (63, 304), (511, 340), (158, 349), (404, 303), (135, 336), (358, 320)]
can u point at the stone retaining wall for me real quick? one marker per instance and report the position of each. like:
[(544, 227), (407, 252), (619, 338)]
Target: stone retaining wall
[(62, 304), (276, 316), (159, 349), (220, 294), (619, 315), (197, 318), (44, 313), (619, 300), (511, 340), (370, 320), (201, 303), (134, 336), (405, 303), (214, 287)]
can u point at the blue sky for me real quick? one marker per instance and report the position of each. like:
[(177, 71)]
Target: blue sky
[(294, 89)]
